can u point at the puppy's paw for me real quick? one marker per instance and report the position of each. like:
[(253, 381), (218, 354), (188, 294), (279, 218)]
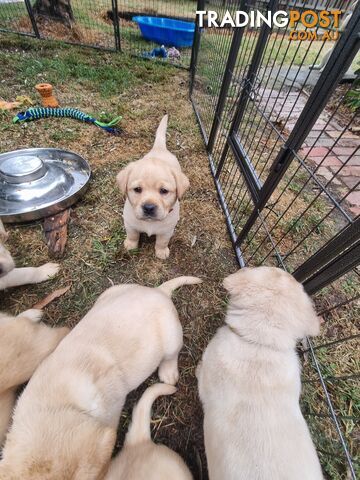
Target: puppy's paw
[(162, 253), (130, 244), (33, 314), (47, 271), (168, 372)]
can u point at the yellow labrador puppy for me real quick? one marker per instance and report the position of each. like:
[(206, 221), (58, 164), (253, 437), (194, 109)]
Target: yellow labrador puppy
[(153, 187), (249, 381), (64, 424), (141, 458), (24, 343), (13, 277)]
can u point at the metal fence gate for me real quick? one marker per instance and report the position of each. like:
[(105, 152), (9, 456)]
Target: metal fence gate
[(285, 160)]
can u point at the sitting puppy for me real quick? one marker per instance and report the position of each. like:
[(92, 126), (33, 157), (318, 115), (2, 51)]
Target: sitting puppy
[(249, 381), (153, 187), (64, 424), (24, 343), (13, 277), (142, 459)]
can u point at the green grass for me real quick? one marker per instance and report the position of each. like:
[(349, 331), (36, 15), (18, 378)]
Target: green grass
[(106, 249), (92, 70), (10, 12)]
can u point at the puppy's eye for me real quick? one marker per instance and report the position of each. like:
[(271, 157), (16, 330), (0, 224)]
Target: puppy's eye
[(163, 191), (138, 189)]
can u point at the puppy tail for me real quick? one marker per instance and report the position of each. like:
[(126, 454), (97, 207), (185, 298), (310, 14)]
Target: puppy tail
[(139, 430), (160, 138), (171, 285)]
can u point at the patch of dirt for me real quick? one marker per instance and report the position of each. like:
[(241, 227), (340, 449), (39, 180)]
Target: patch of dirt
[(76, 33), (95, 257)]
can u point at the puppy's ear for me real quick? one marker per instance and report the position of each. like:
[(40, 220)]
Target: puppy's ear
[(3, 234), (123, 177), (182, 183), (232, 283), (308, 317), (314, 327)]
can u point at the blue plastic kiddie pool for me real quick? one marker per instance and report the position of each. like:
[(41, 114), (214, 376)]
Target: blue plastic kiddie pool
[(166, 31)]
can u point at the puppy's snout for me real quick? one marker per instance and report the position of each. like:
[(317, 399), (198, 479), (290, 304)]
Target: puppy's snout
[(149, 209), (2, 270)]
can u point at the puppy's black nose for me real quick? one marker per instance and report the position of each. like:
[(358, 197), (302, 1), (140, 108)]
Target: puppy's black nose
[(149, 209), (1, 270)]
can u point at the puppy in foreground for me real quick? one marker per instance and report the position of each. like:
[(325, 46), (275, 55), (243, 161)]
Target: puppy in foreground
[(249, 381), (24, 343), (141, 458), (153, 187), (65, 422), (13, 277)]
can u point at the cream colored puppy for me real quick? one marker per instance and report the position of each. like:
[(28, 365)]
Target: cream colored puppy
[(24, 343), (141, 458), (153, 187), (249, 381), (65, 422), (13, 277)]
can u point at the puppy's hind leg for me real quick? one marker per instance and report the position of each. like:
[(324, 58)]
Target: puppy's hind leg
[(132, 239), (168, 368), (7, 402)]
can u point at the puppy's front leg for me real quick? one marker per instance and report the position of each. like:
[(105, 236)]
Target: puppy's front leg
[(161, 246), (33, 314), (28, 275), (132, 239)]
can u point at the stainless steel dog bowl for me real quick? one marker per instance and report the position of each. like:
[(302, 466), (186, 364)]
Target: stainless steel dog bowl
[(38, 182)]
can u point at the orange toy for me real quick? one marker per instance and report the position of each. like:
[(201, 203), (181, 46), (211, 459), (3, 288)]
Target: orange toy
[(45, 91)]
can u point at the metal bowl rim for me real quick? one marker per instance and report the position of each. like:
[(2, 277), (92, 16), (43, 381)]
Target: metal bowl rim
[(52, 207)]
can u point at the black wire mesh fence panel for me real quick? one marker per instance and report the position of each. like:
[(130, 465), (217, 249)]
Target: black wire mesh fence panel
[(83, 22), (15, 18), (215, 45), (137, 39), (284, 151), (333, 359), (137, 27)]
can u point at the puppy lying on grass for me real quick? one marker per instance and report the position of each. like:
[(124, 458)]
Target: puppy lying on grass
[(65, 422), (24, 343), (13, 277), (141, 458), (249, 381), (153, 187)]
